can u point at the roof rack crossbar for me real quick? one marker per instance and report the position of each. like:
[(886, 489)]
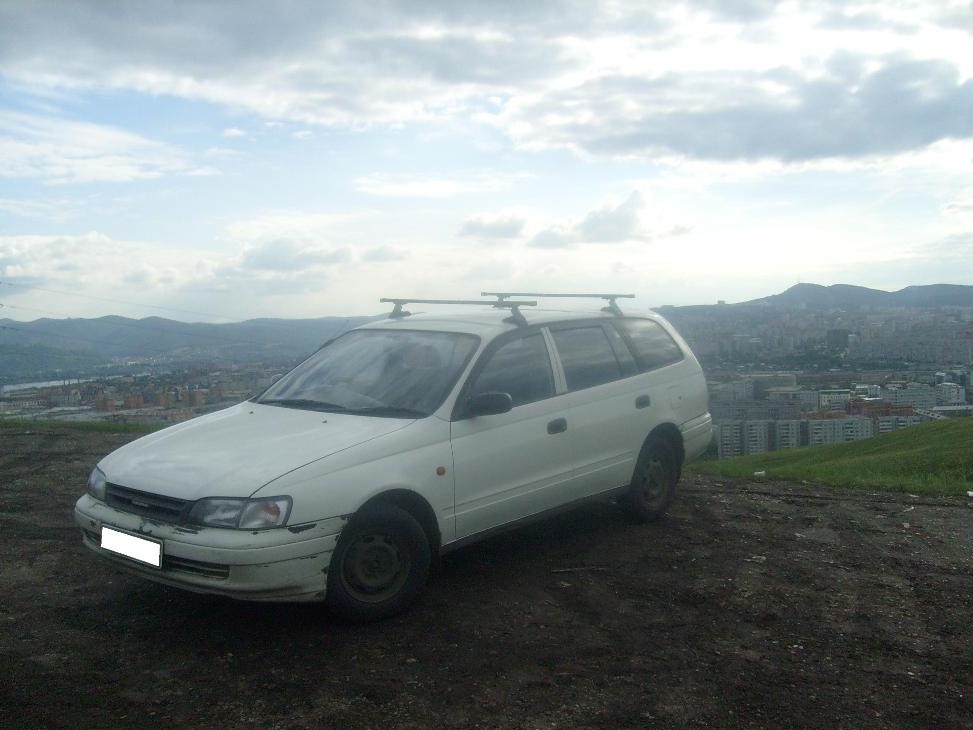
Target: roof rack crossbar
[(610, 298), (514, 306)]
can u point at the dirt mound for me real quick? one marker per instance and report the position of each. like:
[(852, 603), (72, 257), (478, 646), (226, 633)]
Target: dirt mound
[(750, 605)]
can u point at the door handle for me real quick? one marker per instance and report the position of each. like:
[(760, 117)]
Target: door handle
[(558, 425), (643, 401)]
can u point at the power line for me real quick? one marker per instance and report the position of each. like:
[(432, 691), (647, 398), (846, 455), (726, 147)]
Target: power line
[(126, 322), (153, 328), (55, 336), (147, 327), (117, 301)]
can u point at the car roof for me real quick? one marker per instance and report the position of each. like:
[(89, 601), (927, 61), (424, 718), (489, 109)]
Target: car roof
[(489, 322)]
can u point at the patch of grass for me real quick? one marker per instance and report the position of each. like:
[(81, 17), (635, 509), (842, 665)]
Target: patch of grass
[(95, 426), (934, 458)]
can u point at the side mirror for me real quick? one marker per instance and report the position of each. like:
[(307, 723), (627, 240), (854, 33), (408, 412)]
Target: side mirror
[(489, 404)]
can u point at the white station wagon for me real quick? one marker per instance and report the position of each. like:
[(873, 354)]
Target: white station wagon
[(400, 440)]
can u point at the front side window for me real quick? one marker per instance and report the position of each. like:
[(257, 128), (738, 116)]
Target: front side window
[(520, 368), (397, 373), (586, 356)]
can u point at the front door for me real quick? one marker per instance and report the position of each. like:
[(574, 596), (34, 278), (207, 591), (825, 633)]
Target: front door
[(516, 464)]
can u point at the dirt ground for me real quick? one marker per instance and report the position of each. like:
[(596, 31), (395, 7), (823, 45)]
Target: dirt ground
[(752, 604)]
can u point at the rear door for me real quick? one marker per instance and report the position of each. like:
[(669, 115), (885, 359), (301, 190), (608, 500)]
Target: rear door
[(608, 406)]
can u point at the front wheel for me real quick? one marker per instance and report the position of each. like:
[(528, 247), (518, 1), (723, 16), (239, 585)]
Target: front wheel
[(653, 483), (379, 566)]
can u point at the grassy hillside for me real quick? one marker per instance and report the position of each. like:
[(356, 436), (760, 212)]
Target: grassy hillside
[(931, 458)]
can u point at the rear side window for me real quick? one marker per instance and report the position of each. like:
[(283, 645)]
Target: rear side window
[(651, 344), (521, 368), (587, 356)]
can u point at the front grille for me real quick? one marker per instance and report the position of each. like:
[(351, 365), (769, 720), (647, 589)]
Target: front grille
[(154, 506), (196, 567)]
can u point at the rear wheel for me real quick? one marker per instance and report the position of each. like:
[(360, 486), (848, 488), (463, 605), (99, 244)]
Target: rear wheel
[(654, 481), (379, 566)]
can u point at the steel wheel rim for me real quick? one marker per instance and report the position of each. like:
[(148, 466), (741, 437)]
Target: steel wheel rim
[(653, 481), (375, 567)]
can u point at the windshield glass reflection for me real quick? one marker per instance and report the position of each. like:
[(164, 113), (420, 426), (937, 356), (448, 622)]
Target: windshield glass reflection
[(391, 373)]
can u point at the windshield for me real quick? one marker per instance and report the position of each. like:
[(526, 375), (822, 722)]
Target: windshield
[(377, 372)]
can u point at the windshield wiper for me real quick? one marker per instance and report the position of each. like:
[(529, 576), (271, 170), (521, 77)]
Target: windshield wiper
[(391, 411), (303, 403)]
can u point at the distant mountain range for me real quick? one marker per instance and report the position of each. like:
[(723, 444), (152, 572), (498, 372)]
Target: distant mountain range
[(49, 347), (45, 348), (846, 296)]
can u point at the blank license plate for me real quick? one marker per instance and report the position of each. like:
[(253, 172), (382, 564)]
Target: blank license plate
[(136, 548)]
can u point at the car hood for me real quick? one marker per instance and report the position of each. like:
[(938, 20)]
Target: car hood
[(234, 452)]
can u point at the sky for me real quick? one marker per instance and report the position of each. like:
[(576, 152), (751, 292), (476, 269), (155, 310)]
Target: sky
[(220, 161)]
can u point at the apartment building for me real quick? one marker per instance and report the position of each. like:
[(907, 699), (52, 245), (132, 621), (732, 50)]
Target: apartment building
[(838, 430), (917, 395), (736, 438), (807, 400), (788, 434), (887, 424), (950, 394), (833, 399)]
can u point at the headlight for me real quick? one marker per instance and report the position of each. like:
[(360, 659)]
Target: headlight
[(97, 484), (246, 514)]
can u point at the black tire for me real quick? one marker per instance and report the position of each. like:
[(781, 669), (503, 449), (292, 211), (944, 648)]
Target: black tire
[(653, 484), (379, 566)]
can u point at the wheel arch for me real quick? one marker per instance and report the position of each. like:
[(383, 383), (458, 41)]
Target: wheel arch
[(416, 506)]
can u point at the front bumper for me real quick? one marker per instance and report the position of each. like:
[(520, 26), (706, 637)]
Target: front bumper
[(281, 564)]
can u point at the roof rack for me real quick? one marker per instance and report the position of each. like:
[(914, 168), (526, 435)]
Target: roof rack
[(610, 298), (513, 306)]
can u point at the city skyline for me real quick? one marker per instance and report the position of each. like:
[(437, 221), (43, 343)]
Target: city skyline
[(227, 162)]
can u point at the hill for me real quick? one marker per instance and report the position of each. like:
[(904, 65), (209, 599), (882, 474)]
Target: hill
[(50, 348), (931, 458), (32, 349), (846, 296)]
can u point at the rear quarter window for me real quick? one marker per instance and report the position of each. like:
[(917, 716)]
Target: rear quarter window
[(651, 345)]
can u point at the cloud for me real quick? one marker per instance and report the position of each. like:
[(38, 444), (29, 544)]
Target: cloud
[(962, 204), (955, 248), (418, 186), (300, 227), (554, 238), (943, 261), (220, 152), (714, 80), (233, 132), (285, 255), (605, 225), (484, 227), (34, 254), (93, 274), (777, 114), (489, 273), (610, 225), (383, 253), (62, 151), (71, 265), (56, 210), (317, 63)]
